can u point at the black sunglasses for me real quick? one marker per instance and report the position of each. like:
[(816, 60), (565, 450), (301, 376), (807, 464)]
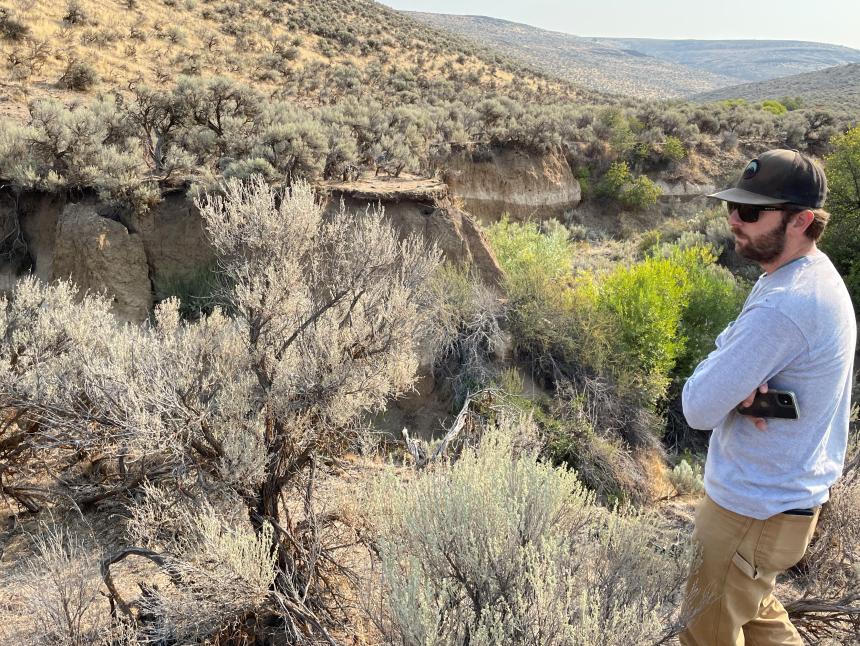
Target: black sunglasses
[(750, 212)]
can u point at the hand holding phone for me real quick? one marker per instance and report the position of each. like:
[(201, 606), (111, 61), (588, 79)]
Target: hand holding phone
[(779, 404)]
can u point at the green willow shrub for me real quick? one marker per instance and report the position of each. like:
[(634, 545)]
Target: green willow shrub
[(774, 107), (666, 312), (548, 303), (633, 192), (841, 239), (644, 303), (614, 126), (531, 255), (714, 299), (501, 548), (673, 150)]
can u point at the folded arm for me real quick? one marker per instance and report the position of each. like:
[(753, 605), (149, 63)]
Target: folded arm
[(759, 345)]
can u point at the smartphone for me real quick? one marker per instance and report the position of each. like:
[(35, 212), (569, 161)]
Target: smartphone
[(781, 404)]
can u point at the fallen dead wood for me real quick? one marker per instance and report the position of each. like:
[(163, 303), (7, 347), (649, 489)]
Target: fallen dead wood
[(816, 618), (418, 448)]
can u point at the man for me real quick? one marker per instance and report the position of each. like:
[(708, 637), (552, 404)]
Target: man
[(765, 480)]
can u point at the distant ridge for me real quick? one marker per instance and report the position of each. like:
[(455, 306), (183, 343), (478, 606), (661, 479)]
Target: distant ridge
[(643, 67), (592, 63), (837, 86), (747, 60)]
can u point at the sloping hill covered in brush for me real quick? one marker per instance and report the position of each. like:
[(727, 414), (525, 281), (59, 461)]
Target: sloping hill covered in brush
[(645, 67), (130, 98), (593, 63), (834, 86), (283, 48), (748, 60), (187, 91)]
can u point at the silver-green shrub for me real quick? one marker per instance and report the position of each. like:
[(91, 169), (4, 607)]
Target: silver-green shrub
[(59, 585), (687, 478), (467, 331), (325, 315), (501, 548)]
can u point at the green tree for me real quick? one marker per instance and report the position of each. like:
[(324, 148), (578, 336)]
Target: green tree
[(613, 126), (791, 103)]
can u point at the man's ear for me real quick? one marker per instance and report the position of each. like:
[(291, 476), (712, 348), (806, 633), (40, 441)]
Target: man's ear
[(803, 219)]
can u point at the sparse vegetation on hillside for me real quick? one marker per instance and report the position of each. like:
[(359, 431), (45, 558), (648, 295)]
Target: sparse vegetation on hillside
[(129, 148), (731, 58), (834, 88), (588, 62), (205, 97), (649, 68)]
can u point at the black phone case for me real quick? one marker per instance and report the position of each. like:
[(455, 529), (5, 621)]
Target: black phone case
[(769, 405)]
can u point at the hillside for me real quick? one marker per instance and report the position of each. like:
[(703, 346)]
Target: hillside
[(645, 67), (834, 86), (289, 49), (134, 98), (592, 63), (748, 60)]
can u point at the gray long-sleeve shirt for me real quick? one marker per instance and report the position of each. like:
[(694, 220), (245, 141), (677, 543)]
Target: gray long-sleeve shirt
[(797, 331)]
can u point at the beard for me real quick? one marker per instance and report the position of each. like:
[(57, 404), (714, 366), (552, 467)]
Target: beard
[(763, 248)]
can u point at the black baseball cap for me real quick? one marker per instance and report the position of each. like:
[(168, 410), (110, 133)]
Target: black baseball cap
[(779, 177)]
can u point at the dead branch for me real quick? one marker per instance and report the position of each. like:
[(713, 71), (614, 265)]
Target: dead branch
[(817, 617), (418, 450), (459, 423), (104, 567)]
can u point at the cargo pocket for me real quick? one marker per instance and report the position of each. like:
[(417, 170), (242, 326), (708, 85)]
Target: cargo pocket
[(745, 566)]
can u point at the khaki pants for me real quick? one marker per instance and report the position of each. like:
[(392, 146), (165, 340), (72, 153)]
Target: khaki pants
[(730, 595)]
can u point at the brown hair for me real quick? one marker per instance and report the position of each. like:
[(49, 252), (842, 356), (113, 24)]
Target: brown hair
[(819, 220)]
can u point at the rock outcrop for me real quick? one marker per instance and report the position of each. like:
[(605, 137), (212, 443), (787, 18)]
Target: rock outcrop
[(135, 258), (684, 190), (416, 205), (38, 214), (524, 185), (100, 255), (174, 238)]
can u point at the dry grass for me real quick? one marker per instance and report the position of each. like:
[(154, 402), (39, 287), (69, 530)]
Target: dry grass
[(153, 41)]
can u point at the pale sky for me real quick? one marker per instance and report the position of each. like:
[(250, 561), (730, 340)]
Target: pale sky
[(825, 21)]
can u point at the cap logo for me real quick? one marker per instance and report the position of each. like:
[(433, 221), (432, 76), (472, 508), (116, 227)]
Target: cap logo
[(751, 169)]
